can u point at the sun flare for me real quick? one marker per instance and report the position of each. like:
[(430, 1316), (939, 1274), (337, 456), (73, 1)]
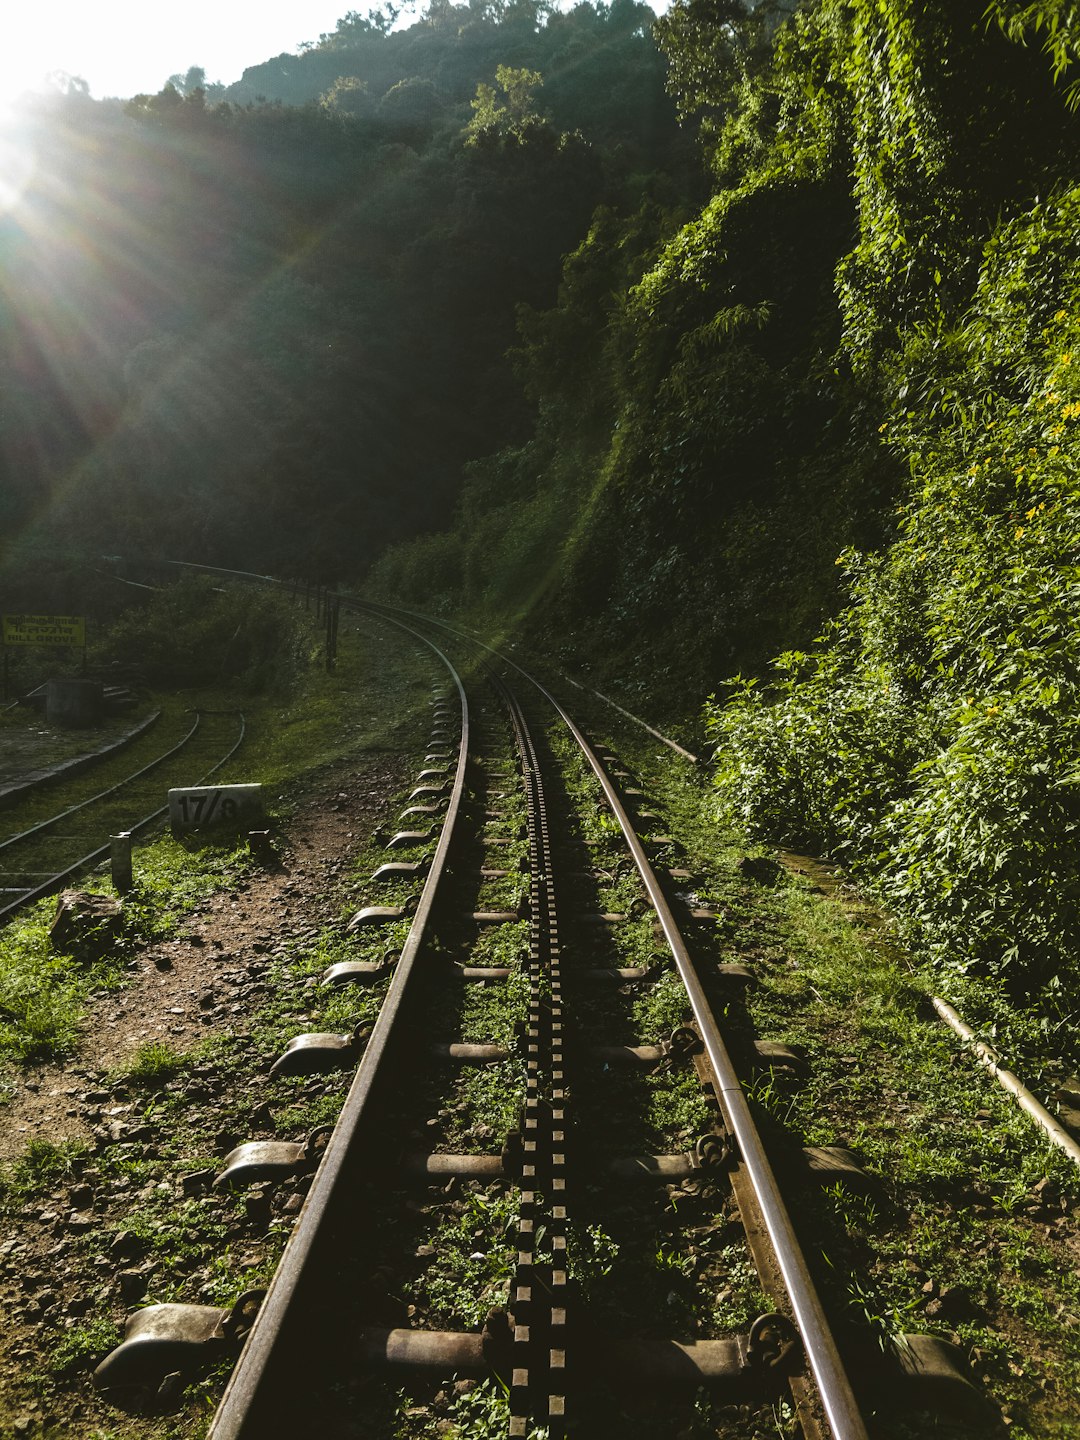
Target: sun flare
[(16, 158)]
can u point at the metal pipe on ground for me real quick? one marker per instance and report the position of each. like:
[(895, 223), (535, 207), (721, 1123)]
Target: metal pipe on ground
[(988, 1057)]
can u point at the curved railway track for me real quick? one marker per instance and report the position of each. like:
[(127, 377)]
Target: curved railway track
[(39, 858), (505, 873)]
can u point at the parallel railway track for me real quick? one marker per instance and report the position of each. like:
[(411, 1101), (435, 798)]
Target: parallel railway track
[(40, 857)]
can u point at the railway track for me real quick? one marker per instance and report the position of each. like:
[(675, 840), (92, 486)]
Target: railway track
[(547, 1082), (49, 839)]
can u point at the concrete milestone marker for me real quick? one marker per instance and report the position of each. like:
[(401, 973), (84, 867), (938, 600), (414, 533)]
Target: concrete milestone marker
[(233, 807)]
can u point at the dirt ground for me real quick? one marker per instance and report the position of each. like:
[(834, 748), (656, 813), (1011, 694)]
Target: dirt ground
[(206, 980)]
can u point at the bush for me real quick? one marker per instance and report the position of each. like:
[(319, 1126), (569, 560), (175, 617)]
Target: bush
[(932, 741), (203, 632)]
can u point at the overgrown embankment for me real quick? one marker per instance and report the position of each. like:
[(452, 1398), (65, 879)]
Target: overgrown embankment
[(861, 347)]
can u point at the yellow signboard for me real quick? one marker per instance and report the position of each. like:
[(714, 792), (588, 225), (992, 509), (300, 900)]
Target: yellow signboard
[(45, 630)]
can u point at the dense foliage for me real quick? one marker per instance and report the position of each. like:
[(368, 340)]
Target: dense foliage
[(863, 346), (268, 335), (929, 738)]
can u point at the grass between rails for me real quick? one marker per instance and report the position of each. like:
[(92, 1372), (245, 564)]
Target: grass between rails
[(965, 1232)]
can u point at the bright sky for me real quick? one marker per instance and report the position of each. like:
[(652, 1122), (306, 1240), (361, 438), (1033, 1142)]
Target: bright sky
[(124, 47)]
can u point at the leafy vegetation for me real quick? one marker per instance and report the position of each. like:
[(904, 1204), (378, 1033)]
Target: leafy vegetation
[(292, 335), (830, 418)]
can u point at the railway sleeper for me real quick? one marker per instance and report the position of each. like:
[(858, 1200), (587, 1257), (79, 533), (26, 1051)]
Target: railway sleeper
[(346, 972), (258, 1160), (403, 839), (919, 1370), (400, 869), (382, 914), (680, 1044), (742, 1365)]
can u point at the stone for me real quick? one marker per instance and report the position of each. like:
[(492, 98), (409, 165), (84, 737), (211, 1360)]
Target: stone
[(86, 926), (128, 1246), (196, 1182)]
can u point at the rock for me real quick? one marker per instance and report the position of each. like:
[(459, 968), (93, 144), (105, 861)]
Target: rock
[(257, 1202), (132, 1285), (128, 1246), (170, 1387), (196, 1182), (85, 925)]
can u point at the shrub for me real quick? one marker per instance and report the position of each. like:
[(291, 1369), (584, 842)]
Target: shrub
[(199, 632)]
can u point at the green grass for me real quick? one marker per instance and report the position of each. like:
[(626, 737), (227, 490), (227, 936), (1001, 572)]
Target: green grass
[(152, 1064), (44, 993), (954, 1162)]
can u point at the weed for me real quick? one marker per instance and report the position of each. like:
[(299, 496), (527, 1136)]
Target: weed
[(152, 1064), (83, 1345)]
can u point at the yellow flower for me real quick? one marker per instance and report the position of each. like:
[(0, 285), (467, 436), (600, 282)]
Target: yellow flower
[(1019, 532)]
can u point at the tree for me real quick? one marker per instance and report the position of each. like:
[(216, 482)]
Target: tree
[(517, 86)]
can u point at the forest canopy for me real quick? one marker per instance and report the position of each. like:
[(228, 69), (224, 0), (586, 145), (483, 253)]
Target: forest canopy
[(818, 442), (267, 326)]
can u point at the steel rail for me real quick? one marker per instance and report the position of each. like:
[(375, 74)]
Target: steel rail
[(48, 887), (834, 1387), (236, 1417), (990, 1060), (102, 794), (473, 640)]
